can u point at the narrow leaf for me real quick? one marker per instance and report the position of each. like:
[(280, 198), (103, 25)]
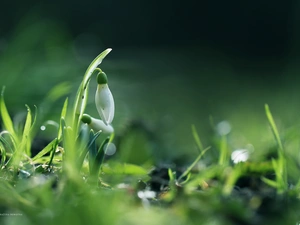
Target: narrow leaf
[(269, 182), (273, 126), (46, 150), (94, 65), (124, 168), (185, 173), (63, 115), (7, 121), (3, 155), (26, 133), (196, 138)]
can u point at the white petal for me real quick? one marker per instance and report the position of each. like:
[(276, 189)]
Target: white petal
[(97, 125), (105, 103)]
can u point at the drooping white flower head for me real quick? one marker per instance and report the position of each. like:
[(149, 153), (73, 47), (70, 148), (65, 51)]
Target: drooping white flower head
[(97, 124), (104, 100)]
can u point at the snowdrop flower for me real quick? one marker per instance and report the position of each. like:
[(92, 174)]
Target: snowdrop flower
[(104, 100), (96, 124)]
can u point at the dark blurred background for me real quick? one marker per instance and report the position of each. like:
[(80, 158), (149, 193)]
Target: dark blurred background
[(173, 64), (250, 29)]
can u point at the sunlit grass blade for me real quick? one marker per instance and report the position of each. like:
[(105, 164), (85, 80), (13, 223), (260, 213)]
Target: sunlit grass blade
[(172, 175), (196, 138), (224, 154), (53, 149), (187, 171), (6, 119), (188, 177), (279, 165), (8, 146), (63, 115), (269, 182), (3, 155), (96, 62), (123, 169), (24, 146), (273, 126), (232, 177), (45, 150), (34, 118), (26, 142), (171, 193), (199, 179)]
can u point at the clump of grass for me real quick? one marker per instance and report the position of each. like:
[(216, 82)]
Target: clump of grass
[(75, 145)]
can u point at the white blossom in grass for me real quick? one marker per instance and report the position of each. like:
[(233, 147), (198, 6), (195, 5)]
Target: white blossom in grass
[(97, 124), (240, 155), (104, 100)]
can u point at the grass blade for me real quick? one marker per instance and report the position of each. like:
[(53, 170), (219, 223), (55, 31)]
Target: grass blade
[(196, 138), (53, 148), (26, 143), (46, 150), (7, 121), (3, 155), (186, 172), (63, 115), (98, 160), (279, 166), (273, 126), (6, 144), (96, 62)]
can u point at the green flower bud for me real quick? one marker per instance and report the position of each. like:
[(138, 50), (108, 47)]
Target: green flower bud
[(101, 78), (96, 124), (86, 118)]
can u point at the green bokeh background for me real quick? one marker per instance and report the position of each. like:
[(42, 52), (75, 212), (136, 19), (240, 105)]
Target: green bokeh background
[(173, 64)]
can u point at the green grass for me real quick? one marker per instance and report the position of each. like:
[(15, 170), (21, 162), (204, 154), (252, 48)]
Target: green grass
[(70, 181)]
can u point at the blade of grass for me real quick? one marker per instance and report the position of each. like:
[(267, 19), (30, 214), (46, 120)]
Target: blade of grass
[(233, 176), (185, 173), (35, 117), (63, 115), (92, 149), (3, 155), (115, 168), (24, 146), (269, 182), (223, 160), (197, 138), (45, 150), (273, 126), (7, 145), (280, 167), (26, 143), (52, 149), (7, 121), (98, 160)]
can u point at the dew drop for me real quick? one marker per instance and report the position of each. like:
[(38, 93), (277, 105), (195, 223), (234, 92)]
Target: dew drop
[(110, 149)]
